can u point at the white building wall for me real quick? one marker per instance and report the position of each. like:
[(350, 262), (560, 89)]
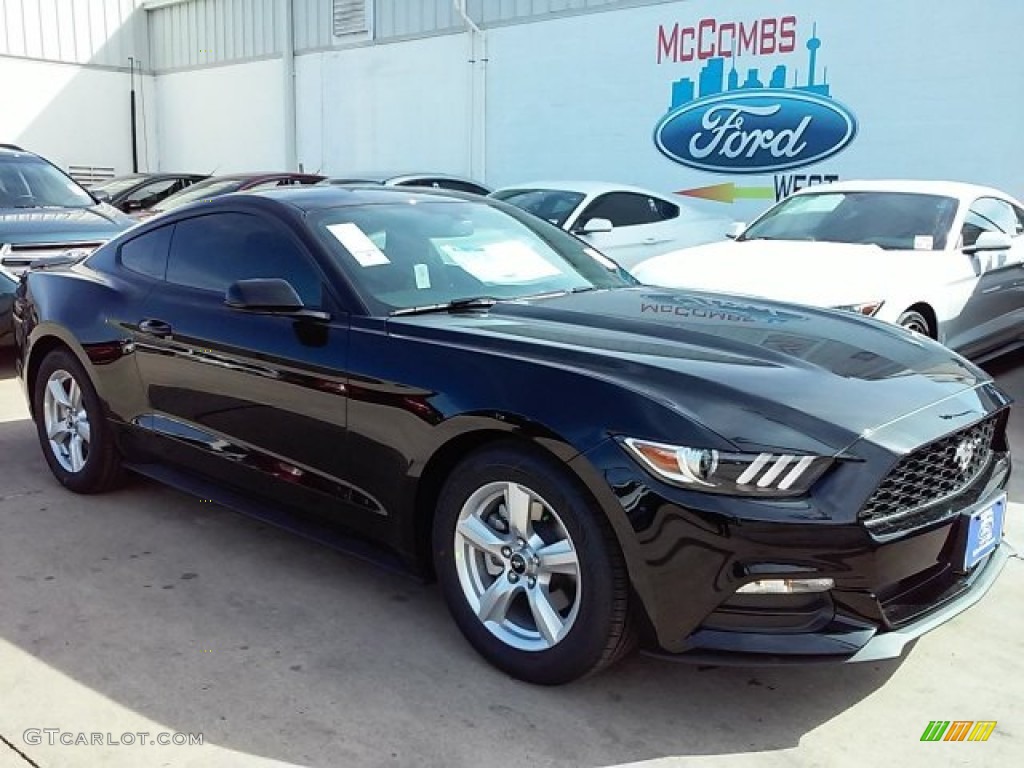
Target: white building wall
[(64, 81), (75, 115), (387, 107), (930, 83), (222, 119)]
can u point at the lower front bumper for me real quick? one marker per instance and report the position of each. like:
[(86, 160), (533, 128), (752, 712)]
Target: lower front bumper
[(854, 643)]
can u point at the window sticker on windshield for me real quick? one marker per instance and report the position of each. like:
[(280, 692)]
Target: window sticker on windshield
[(924, 243), (358, 244), (422, 272), (601, 259), (500, 262)]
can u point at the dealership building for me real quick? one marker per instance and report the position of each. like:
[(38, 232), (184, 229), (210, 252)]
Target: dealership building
[(730, 104)]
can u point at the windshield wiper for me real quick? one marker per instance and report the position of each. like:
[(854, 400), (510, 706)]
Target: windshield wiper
[(469, 302)]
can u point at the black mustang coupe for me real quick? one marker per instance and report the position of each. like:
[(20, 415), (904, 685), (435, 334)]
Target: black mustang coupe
[(583, 462)]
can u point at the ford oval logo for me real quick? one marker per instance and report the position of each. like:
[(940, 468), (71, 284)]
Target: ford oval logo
[(760, 131)]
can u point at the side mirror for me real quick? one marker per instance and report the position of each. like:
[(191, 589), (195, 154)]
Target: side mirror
[(736, 230), (100, 196), (990, 241), (270, 296), (594, 226)]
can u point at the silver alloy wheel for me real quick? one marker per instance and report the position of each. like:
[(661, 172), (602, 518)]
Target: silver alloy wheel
[(518, 566), (912, 323), (66, 421)]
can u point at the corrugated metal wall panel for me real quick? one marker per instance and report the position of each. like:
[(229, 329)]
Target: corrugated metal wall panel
[(205, 32), (413, 18), (91, 32)]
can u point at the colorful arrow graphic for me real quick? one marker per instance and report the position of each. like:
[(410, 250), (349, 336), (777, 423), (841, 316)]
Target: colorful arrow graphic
[(729, 193)]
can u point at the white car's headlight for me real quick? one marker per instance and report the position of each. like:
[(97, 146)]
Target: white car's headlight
[(868, 308), (738, 474)]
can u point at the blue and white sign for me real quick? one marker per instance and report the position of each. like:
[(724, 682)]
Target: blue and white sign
[(733, 118), (757, 131)]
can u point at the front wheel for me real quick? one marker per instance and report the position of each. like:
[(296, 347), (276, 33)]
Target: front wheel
[(529, 568), (73, 433), (916, 322)]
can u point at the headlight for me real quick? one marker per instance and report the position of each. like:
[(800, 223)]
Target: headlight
[(868, 308), (739, 474)]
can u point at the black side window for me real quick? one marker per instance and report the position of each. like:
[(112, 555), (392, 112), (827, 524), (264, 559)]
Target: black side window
[(152, 193), (462, 186), (211, 252), (624, 209), (666, 210), (147, 254), (1020, 219)]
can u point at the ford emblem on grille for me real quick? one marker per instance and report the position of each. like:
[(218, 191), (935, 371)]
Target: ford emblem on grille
[(757, 131), (965, 453)]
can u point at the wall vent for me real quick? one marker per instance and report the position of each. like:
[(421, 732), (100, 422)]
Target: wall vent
[(349, 17), (90, 174)]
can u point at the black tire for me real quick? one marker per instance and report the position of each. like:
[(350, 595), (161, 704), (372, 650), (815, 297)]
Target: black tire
[(101, 469), (915, 321), (601, 631)]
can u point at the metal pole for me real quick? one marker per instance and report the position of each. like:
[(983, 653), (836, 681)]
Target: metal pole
[(135, 137), (288, 54)]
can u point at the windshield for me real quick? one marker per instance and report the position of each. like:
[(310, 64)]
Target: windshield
[(116, 186), (28, 182), (200, 191), (415, 254), (895, 220), (554, 205)]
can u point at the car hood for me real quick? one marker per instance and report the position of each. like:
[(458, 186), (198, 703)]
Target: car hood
[(817, 273), (730, 363), (25, 226)]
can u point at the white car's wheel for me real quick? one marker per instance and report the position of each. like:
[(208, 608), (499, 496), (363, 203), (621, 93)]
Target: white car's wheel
[(916, 322)]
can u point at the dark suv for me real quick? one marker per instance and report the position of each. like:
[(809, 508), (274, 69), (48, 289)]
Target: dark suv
[(43, 215)]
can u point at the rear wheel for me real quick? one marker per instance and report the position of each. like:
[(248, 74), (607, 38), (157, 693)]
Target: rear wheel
[(73, 433), (916, 322), (530, 569)]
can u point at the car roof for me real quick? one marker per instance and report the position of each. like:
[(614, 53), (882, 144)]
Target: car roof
[(379, 177), (958, 189), (319, 197), (585, 187)]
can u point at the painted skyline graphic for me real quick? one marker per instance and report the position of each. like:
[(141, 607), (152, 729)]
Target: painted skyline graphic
[(713, 79)]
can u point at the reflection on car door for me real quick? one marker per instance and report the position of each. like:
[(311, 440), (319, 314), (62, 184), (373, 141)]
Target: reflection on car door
[(993, 313), (255, 399)]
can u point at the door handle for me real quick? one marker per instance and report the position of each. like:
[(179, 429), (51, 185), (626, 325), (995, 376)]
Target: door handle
[(156, 328)]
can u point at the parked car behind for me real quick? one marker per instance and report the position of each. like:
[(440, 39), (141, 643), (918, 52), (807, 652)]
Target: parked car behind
[(141, 191), (943, 259), (44, 214), (582, 461), (224, 185), (628, 224), (432, 180)]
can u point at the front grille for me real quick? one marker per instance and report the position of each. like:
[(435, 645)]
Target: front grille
[(931, 474)]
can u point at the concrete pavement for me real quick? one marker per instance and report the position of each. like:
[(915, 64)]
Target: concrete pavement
[(149, 611)]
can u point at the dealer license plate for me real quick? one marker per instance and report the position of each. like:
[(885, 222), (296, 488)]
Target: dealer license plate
[(984, 531)]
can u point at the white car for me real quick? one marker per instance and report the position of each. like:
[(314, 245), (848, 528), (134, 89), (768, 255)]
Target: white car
[(943, 259), (628, 224)]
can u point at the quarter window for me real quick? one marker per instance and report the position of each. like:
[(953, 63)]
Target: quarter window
[(627, 209), (147, 254), (211, 252)]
